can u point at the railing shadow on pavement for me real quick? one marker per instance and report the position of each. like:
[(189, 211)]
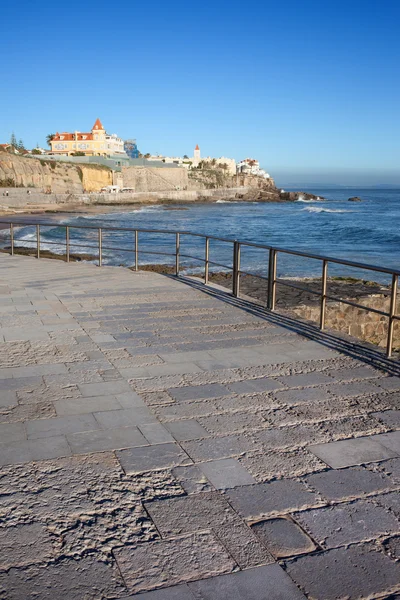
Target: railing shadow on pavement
[(363, 352)]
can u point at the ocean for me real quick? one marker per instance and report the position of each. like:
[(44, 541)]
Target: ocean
[(367, 231)]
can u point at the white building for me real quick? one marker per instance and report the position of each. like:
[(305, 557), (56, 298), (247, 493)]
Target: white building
[(217, 162), (115, 145), (251, 166)]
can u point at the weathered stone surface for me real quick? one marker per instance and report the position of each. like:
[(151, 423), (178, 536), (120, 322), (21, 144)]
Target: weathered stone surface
[(226, 473), (219, 447), (271, 465), (25, 545), (172, 561), (90, 578), (283, 537), (348, 453), (348, 523), (263, 583), (159, 456), (275, 498), (209, 511), (186, 430), (199, 392), (348, 483), (354, 572), (192, 479)]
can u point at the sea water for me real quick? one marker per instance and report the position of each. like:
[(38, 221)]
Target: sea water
[(367, 231)]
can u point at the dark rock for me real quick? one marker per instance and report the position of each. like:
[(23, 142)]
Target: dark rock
[(293, 196), (355, 199)]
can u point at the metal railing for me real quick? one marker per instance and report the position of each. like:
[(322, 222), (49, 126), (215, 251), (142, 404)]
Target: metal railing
[(272, 278)]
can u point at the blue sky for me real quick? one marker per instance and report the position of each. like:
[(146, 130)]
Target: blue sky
[(309, 88)]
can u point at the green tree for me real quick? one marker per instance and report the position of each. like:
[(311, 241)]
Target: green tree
[(21, 145), (49, 138), (13, 140), (185, 156), (147, 155), (36, 151)]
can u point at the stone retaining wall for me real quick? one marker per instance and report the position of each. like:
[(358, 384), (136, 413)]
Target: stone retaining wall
[(359, 323)]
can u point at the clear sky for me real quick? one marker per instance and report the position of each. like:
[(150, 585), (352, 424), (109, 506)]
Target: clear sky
[(310, 88)]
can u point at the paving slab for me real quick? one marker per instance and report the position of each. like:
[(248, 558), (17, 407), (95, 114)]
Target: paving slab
[(42, 428), (262, 583), (359, 571), (158, 456), (109, 439), (189, 429), (199, 392), (168, 562), (209, 510), (283, 537), (226, 473), (354, 482), (348, 523), (277, 497), (358, 451)]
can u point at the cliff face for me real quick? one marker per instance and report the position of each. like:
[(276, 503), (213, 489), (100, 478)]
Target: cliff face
[(53, 176), (217, 178)]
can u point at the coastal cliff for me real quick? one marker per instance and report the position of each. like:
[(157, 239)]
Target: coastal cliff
[(52, 176)]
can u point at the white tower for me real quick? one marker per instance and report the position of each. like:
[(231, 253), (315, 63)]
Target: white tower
[(196, 154)]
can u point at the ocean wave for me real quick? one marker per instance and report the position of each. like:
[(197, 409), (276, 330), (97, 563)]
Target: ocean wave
[(318, 209), (224, 202)]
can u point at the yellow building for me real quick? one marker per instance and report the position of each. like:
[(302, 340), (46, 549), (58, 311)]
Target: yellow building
[(95, 143)]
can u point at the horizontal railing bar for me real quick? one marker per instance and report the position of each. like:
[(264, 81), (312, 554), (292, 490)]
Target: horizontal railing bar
[(253, 275), (192, 257), (298, 287), (363, 266), (211, 262), (356, 305)]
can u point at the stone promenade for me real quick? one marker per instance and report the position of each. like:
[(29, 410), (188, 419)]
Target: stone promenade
[(163, 441)]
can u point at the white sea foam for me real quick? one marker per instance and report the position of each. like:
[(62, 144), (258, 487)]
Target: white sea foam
[(224, 202), (317, 209)]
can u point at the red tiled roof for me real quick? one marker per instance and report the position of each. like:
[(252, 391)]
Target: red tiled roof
[(98, 125), (71, 137)]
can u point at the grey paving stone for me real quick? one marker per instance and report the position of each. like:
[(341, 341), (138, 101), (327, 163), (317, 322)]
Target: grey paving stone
[(209, 510), (274, 498), (26, 451), (389, 383), (12, 432), (347, 453), (226, 473), (356, 388), (110, 439), (391, 441), (41, 428), (8, 398), (353, 482), (81, 406), (189, 429), (110, 419), (104, 389), (18, 383), (130, 400), (218, 447), (67, 579), (24, 545), (354, 572), (177, 592), (390, 501), (299, 396), (161, 456), (348, 523), (305, 379), (362, 372), (199, 392), (155, 433), (167, 562), (33, 370), (192, 479), (262, 583), (391, 468), (252, 386), (283, 537), (389, 417)]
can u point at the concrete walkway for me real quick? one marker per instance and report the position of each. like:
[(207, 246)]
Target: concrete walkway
[(157, 434)]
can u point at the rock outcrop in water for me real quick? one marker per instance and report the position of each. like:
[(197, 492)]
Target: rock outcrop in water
[(355, 199), (276, 195)]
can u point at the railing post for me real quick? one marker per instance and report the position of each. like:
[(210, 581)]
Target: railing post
[(12, 238), (177, 254), (392, 313), (236, 269), (136, 250), (67, 243), (206, 262), (100, 247), (323, 296), (38, 241), (272, 279)]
